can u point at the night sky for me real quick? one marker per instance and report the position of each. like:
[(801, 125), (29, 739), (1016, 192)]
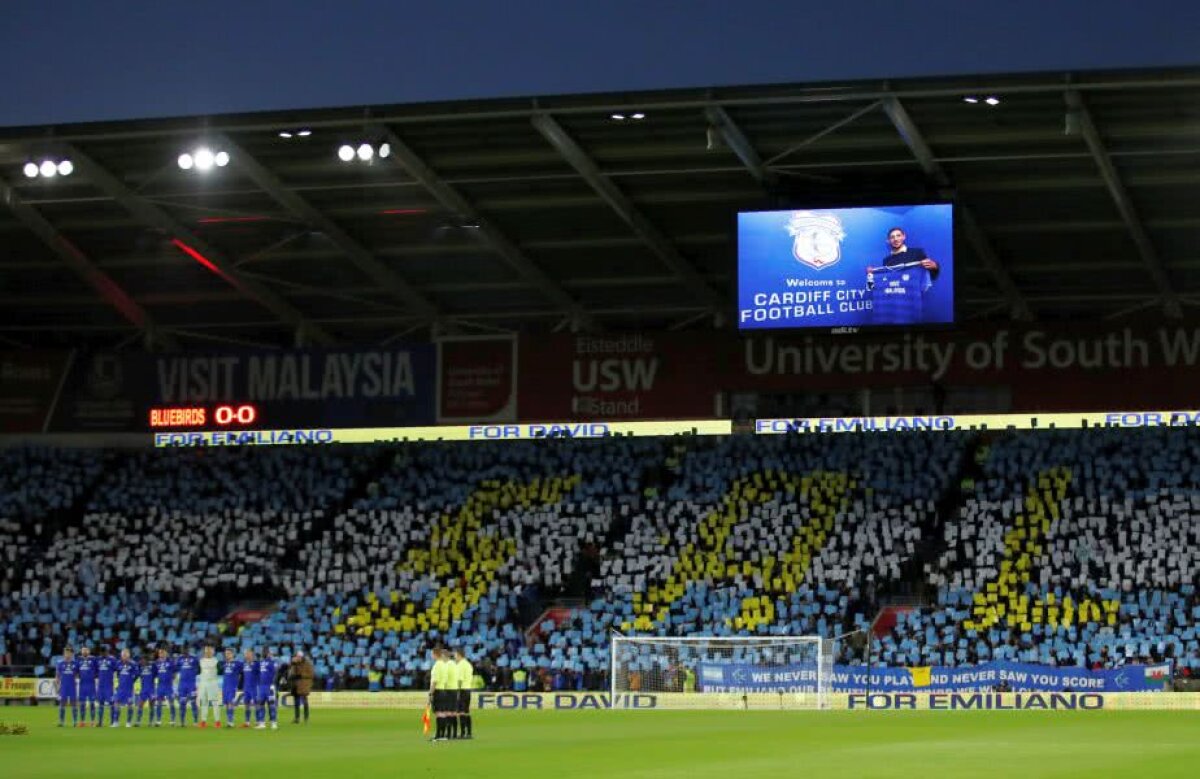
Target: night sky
[(89, 60)]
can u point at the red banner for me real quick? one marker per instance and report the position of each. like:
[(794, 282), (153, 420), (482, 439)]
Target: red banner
[(477, 380), (616, 377), (1067, 368)]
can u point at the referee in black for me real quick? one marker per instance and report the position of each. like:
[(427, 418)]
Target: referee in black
[(464, 675), (441, 694)]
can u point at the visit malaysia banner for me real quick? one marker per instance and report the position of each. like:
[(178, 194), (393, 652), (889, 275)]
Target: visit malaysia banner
[(744, 677), (617, 377), (308, 388)]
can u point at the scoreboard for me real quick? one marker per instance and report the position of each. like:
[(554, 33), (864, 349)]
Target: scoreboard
[(198, 417)]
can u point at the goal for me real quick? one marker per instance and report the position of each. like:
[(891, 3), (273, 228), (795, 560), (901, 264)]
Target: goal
[(751, 672)]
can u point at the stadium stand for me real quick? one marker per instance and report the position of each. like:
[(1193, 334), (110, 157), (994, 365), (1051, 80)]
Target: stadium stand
[(1065, 548), (39, 487), (1076, 548)]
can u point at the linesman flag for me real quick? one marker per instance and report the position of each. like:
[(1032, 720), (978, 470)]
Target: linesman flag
[(425, 722), (921, 675)]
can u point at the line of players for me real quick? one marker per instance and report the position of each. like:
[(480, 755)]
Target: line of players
[(92, 685)]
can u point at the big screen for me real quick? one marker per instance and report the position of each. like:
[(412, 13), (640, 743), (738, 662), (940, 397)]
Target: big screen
[(881, 266)]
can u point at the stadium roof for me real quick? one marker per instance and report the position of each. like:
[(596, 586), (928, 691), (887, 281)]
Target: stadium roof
[(1078, 199)]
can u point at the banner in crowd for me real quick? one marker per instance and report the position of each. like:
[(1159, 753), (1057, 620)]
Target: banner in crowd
[(25, 687), (1026, 421), (520, 702), (802, 677), (504, 432), (18, 687), (618, 377), (477, 379)]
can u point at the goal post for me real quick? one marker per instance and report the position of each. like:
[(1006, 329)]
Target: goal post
[(750, 672)]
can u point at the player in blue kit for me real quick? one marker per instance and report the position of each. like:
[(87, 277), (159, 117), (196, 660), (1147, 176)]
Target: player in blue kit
[(898, 287), (900, 253), (188, 666), (164, 688), (231, 672), (127, 674), (266, 690), (66, 673), (146, 693), (249, 684), (87, 685), (106, 669)]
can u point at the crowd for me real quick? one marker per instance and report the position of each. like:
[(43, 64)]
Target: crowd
[(1074, 548)]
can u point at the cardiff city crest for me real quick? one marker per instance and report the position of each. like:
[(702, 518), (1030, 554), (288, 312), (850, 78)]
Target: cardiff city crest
[(816, 238)]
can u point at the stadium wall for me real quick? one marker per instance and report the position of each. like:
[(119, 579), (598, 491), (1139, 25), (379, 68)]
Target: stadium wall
[(584, 378)]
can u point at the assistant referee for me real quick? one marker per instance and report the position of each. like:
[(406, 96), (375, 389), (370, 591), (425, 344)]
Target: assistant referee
[(464, 678), (441, 692)]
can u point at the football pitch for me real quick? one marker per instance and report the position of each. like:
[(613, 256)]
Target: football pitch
[(348, 743)]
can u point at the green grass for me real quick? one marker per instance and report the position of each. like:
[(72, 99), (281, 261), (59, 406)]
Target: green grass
[(738, 745)]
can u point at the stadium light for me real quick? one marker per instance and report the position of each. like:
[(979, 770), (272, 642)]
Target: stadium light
[(971, 100), (639, 115), (203, 159), (284, 134), (304, 133), (364, 151), (992, 101), (619, 117), (48, 169)]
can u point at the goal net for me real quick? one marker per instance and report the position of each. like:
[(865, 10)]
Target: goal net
[(770, 672)]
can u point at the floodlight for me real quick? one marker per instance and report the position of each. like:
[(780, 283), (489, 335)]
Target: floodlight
[(204, 159)]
